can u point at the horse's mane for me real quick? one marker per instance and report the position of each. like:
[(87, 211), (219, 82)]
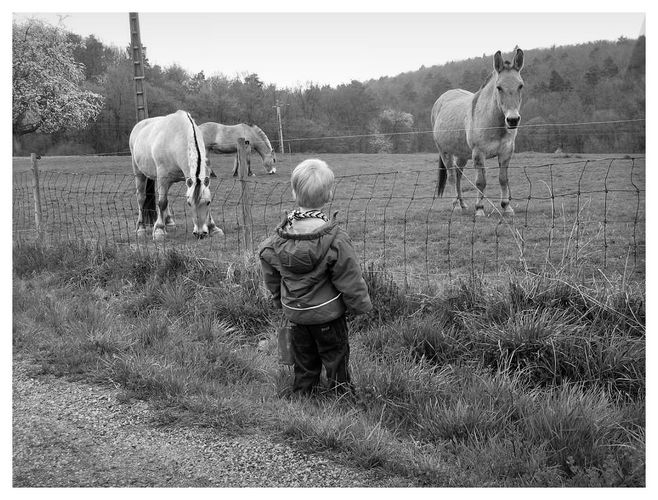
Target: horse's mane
[(486, 82), (261, 135), (197, 187)]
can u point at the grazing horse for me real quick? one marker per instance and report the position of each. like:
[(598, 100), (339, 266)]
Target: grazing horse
[(165, 150), (479, 126), (224, 139)]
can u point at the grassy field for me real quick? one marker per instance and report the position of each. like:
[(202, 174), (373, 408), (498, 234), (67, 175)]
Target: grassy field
[(583, 212), (532, 381), (516, 357)]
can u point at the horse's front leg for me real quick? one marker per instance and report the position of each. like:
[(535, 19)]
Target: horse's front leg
[(235, 167), (505, 192), (159, 228), (169, 218), (480, 183)]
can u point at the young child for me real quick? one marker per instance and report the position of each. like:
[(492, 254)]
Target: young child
[(310, 267)]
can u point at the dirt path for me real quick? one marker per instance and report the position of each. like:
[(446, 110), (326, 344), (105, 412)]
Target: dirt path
[(73, 434)]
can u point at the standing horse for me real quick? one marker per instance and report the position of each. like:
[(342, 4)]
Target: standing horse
[(224, 139), (479, 126), (165, 150)]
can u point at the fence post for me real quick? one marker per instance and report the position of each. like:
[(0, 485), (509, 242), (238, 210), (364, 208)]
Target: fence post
[(37, 195), (245, 196)]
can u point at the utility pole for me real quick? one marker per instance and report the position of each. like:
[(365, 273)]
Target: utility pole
[(138, 64), (278, 116)]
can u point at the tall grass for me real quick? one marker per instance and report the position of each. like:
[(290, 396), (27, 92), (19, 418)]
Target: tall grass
[(535, 381)]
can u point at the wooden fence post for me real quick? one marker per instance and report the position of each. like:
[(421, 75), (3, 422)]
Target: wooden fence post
[(37, 195), (245, 196)]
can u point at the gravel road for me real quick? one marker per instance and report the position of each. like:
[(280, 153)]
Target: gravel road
[(73, 434)]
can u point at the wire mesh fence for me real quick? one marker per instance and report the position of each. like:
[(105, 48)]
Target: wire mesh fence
[(585, 213)]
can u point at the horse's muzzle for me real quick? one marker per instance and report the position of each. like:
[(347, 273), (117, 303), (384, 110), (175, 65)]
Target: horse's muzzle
[(200, 235), (512, 123)]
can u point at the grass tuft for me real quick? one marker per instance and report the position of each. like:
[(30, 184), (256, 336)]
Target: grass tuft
[(533, 381)]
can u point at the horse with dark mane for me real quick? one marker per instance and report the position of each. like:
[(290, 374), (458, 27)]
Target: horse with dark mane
[(479, 126), (224, 139), (165, 150)]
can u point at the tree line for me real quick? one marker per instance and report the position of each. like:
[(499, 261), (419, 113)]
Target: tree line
[(578, 98)]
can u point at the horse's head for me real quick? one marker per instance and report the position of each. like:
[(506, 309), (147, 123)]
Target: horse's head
[(198, 199), (262, 145), (508, 87), (269, 162)]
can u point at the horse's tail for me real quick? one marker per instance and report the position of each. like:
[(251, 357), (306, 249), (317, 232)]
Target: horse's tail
[(149, 214), (443, 176)]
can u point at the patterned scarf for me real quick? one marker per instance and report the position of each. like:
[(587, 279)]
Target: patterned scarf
[(309, 214)]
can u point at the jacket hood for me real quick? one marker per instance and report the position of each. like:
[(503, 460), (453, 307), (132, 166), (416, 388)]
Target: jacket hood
[(301, 253)]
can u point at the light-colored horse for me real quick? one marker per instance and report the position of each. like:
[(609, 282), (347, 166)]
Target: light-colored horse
[(479, 126), (165, 150), (224, 139)]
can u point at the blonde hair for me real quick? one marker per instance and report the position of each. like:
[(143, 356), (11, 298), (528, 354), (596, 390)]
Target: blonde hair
[(312, 183)]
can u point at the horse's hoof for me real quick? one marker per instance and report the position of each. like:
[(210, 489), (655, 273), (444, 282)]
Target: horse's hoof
[(480, 212), (159, 235), (215, 231), (508, 212), (141, 232), (171, 225)]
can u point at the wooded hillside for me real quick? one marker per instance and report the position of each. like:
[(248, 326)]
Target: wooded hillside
[(580, 98)]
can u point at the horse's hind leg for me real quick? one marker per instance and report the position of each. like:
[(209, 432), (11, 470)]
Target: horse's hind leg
[(459, 171), (159, 228), (140, 184)]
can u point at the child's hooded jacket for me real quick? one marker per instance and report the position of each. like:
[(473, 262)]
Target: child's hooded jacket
[(314, 276)]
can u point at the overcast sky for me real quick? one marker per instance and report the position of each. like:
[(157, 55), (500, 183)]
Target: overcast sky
[(288, 48)]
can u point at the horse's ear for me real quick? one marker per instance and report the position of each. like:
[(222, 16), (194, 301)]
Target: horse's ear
[(518, 60), (498, 62)]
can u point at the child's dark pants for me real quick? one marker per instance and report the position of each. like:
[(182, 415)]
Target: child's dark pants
[(317, 345)]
